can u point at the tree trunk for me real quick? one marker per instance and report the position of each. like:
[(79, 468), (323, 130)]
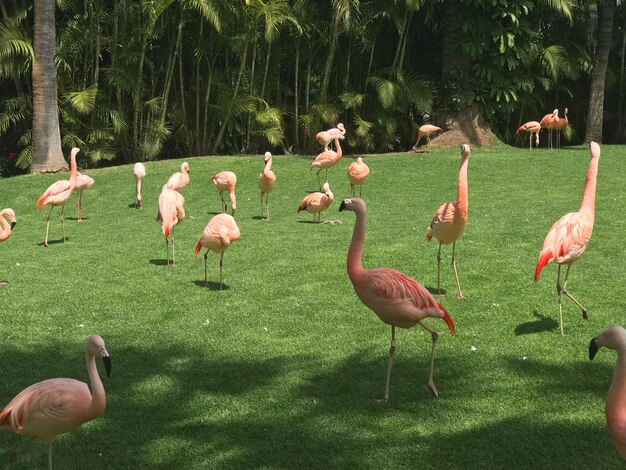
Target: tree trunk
[(595, 109), (47, 153), (329, 58), (296, 115), (620, 133)]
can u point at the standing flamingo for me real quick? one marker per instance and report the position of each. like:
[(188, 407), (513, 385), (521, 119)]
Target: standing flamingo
[(357, 174), (568, 237), (56, 406), (615, 406), (425, 131), (559, 125), (58, 193), (316, 203), (325, 160), (267, 179), (218, 234), (397, 299), (449, 220), (171, 211), (139, 171), (547, 122), (179, 180), (325, 137), (5, 227), (532, 127), (226, 181), (82, 182)]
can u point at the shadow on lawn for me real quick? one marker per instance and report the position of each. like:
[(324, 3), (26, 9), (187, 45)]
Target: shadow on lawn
[(159, 262), (212, 285), (543, 323)]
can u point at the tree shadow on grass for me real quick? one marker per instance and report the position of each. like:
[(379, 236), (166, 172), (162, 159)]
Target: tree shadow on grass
[(543, 323)]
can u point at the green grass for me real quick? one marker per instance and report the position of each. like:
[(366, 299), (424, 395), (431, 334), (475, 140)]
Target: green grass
[(281, 369)]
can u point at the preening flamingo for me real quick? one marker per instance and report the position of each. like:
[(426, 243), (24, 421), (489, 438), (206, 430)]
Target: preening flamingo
[(615, 407), (559, 125), (357, 174), (171, 211), (325, 137), (58, 193), (218, 234), (397, 299), (139, 171), (267, 179), (532, 127), (425, 131), (179, 180), (56, 406), (449, 220), (82, 182), (548, 122), (6, 227), (226, 181), (316, 203), (568, 237), (325, 160)]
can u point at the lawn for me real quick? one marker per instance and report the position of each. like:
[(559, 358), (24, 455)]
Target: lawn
[(281, 369)]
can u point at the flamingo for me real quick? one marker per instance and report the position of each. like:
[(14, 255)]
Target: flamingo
[(58, 193), (425, 131), (171, 211), (325, 137), (449, 220), (397, 299), (218, 234), (559, 125), (547, 122), (267, 179), (6, 227), (179, 180), (56, 406), (326, 159), (357, 174), (316, 203), (139, 171), (532, 127), (568, 237), (226, 181), (615, 407), (82, 182)]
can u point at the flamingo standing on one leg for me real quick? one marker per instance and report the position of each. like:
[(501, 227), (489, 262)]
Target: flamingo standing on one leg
[(547, 122), (397, 299), (532, 127), (226, 181), (425, 131), (325, 137), (139, 171), (58, 193), (267, 179), (357, 174), (82, 182), (56, 406), (449, 220), (615, 407), (326, 159), (559, 125), (568, 237), (316, 203), (171, 211), (218, 234), (6, 227)]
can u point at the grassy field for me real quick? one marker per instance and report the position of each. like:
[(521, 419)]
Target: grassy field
[(281, 369)]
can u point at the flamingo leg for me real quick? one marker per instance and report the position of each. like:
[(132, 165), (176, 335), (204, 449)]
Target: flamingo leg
[(319, 181), (206, 283), (564, 289), (45, 242), (173, 259), (267, 207), (63, 221), (392, 351), (456, 274), (439, 269), (530, 141), (13, 455), (558, 291), (221, 266), (360, 188), (223, 202), (167, 251)]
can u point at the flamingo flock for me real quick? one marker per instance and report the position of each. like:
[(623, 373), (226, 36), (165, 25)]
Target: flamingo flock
[(551, 122)]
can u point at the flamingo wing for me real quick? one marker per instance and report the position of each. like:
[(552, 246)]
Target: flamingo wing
[(568, 237), (325, 158), (54, 189)]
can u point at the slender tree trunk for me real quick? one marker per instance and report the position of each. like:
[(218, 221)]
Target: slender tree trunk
[(181, 82), (47, 152), (197, 101), (296, 115), (329, 58), (252, 67), (171, 65), (621, 130), (267, 66), (405, 40)]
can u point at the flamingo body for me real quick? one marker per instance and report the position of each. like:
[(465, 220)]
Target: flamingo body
[(226, 181), (316, 203), (171, 211), (82, 182), (559, 125), (6, 227), (326, 159), (357, 174), (139, 172), (267, 180), (425, 131), (548, 122), (217, 236), (532, 127), (180, 179), (326, 137)]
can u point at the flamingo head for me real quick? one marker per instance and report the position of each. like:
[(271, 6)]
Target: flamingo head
[(267, 157), (11, 216), (594, 149), (613, 338), (465, 150), (359, 160), (95, 346), (353, 205), (184, 167)]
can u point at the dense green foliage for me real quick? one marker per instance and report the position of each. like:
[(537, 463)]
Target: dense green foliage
[(281, 369)]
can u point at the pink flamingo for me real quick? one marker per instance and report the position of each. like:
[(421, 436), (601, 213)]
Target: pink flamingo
[(568, 237), (56, 406), (316, 203), (58, 193), (218, 234), (82, 182), (357, 174), (559, 125), (547, 122), (171, 211), (532, 127), (267, 179), (325, 160), (449, 220), (139, 171), (226, 181), (325, 137), (180, 179), (5, 228), (615, 407), (397, 299), (425, 131)]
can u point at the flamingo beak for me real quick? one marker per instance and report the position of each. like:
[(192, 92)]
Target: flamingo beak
[(13, 225), (342, 206), (107, 365), (593, 348), (448, 321)]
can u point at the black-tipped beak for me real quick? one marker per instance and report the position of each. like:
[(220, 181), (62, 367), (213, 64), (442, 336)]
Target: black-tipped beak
[(593, 348), (107, 364), (342, 206), (13, 224)]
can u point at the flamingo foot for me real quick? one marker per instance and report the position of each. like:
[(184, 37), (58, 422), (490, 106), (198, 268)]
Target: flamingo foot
[(45, 244), (585, 314), (382, 401), (206, 284), (433, 389), (460, 296), (3, 283)]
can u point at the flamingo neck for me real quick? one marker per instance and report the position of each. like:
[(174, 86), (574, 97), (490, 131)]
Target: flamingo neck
[(98, 397), (589, 194), (355, 252), (616, 397), (233, 199), (6, 227), (268, 165), (461, 196), (338, 147), (139, 189)]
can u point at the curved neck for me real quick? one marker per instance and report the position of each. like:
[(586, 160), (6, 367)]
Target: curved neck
[(338, 146), (355, 252), (233, 199), (589, 195), (73, 169), (461, 196), (268, 164), (98, 397), (5, 231)]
